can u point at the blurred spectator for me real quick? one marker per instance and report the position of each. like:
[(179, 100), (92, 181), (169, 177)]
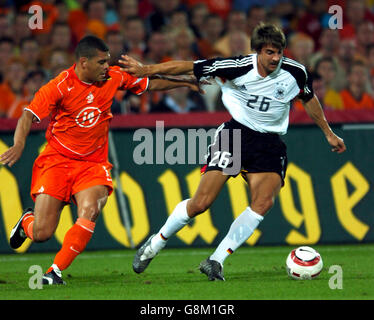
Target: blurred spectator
[(115, 42), (5, 26), (245, 5), (157, 48), (236, 21), (326, 70), (237, 43), (62, 11), (328, 44), (300, 48), (364, 37), (59, 60), (21, 27), (12, 86), (60, 38), (162, 14), (355, 12), (126, 9), (180, 100), (210, 34), (346, 56), (96, 13), (30, 53), (6, 52), (370, 59), (178, 20), (221, 7), (311, 21), (134, 36), (182, 40), (256, 14), (32, 83), (356, 96), (198, 21)]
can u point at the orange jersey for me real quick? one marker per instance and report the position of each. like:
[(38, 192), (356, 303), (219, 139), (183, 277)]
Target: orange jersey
[(80, 112), (350, 103)]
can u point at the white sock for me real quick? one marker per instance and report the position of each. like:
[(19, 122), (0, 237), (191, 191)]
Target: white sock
[(241, 229), (176, 221), (56, 269)]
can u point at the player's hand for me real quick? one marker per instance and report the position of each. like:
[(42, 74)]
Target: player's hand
[(194, 84), (336, 143), (132, 66), (12, 155)]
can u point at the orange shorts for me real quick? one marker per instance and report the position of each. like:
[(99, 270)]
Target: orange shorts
[(62, 177)]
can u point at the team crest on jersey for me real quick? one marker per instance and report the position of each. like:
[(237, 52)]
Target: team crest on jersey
[(280, 91), (90, 98), (88, 117)]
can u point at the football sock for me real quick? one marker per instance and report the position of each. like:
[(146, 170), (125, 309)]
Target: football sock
[(176, 221), (241, 229), (75, 241), (28, 224)]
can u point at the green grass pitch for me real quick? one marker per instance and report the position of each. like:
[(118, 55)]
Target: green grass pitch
[(252, 273)]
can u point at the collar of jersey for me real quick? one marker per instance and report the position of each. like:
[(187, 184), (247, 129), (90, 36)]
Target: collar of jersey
[(74, 75), (269, 75)]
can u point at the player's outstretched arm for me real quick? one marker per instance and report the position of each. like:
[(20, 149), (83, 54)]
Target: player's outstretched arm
[(12, 155), (314, 110), (137, 69), (167, 83)]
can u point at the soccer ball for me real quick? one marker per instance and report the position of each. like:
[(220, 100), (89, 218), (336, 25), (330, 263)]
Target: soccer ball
[(304, 263)]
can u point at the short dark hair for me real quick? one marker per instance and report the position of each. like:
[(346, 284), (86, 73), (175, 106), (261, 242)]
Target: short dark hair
[(89, 46), (267, 34)]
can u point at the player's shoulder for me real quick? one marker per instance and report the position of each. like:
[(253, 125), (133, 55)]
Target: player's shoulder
[(292, 65), (116, 72), (116, 75), (60, 83)]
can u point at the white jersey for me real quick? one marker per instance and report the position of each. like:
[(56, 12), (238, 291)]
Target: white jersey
[(261, 104)]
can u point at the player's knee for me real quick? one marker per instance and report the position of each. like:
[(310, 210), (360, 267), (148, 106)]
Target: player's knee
[(198, 206), (41, 234), (89, 210), (262, 206)]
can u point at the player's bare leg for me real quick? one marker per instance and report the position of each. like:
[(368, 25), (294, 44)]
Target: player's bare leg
[(263, 187), (210, 185), (47, 213), (89, 202), (38, 224)]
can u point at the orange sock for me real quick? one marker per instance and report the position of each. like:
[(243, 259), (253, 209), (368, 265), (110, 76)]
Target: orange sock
[(27, 225), (75, 241)]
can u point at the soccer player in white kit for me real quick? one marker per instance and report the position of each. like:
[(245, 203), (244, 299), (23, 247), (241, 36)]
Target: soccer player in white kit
[(257, 90)]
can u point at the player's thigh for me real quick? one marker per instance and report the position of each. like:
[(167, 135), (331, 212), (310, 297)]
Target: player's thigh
[(211, 184), (263, 187), (47, 211), (90, 201)]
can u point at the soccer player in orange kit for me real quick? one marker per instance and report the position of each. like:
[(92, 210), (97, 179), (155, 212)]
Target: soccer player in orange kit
[(74, 165)]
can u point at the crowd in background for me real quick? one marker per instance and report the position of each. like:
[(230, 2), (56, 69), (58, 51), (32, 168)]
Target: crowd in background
[(153, 31)]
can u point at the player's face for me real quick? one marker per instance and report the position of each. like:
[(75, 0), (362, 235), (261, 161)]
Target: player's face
[(97, 67), (268, 59)]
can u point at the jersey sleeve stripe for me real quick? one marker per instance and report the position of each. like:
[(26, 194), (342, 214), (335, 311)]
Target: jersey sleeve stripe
[(33, 113), (58, 85), (229, 68), (146, 87)]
